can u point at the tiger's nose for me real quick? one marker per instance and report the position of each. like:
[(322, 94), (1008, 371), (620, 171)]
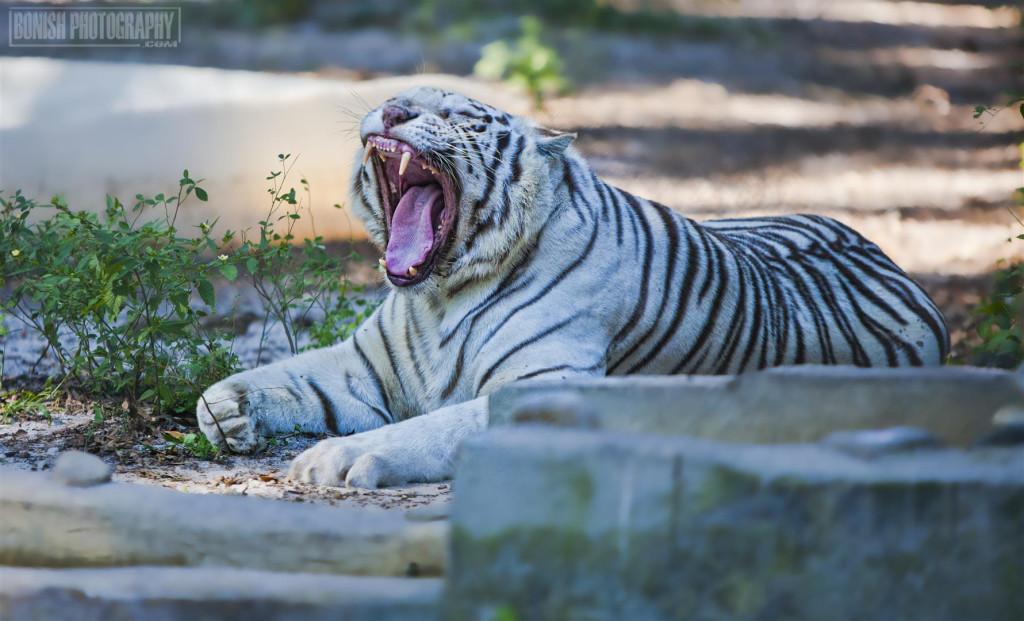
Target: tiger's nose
[(396, 115)]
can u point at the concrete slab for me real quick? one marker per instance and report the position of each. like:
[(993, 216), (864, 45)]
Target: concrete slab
[(45, 523), (782, 405), (613, 526), (172, 593)]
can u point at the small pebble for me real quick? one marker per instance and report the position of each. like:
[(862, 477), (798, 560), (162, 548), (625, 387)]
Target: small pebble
[(80, 469), (1009, 415), (871, 443)]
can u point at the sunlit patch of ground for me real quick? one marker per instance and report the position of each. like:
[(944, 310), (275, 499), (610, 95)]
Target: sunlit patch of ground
[(140, 456)]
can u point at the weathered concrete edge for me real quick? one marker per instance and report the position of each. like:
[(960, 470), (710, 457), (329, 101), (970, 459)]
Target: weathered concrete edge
[(521, 456), (781, 405), (815, 462), (44, 523), (176, 592), (601, 492)]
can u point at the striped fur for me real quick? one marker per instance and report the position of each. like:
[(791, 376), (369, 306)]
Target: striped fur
[(550, 272)]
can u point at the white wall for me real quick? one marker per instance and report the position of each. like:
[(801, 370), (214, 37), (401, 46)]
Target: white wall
[(86, 129)]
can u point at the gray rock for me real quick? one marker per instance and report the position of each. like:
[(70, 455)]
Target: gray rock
[(778, 406), (1010, 415), (871, 443), (627, 526), (80, 469), (172, 593), (45, 523)]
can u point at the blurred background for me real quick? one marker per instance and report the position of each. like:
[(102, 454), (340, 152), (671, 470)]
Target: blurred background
[(889, 116)]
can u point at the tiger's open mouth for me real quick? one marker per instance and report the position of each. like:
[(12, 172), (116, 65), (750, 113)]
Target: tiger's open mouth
[(420, 205)]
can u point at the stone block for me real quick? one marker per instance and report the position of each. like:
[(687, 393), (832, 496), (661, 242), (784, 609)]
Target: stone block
[(173, 593), (775, 406), (565, 523), (46, 523), (80, 469)]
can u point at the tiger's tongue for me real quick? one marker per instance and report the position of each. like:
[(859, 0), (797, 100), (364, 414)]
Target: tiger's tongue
[(412, 228)]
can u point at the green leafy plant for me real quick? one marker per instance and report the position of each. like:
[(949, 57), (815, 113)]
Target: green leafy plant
[(193, 443), (15, 404), (98, 419), (20, 403), (999, 317), (122, 288), (983, 112), (295, 281), (525, 63), (122, 298)]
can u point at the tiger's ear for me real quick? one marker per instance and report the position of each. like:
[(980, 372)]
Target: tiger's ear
[(552, 143)]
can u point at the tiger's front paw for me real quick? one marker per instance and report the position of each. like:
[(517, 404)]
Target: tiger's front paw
[(225, 418), (354, 461), (372, 459)]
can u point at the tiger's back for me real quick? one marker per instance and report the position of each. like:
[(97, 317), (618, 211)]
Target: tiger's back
[(827, 295), (730, 296)]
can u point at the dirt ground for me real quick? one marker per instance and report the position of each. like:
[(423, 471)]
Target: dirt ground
[(138, 454), (861, 111)]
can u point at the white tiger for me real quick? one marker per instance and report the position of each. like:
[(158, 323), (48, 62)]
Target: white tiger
[(508, 258)]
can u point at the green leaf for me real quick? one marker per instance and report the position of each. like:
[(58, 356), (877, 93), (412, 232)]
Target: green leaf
[(172, 438), (229, 271), (206, 292), (201, 194)]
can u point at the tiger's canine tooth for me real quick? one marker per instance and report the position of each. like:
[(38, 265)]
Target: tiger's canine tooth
[(406, 158), (383, 263), (368, 152), (412, 271)]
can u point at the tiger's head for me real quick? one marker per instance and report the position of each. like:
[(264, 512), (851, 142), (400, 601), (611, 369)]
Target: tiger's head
[(451, 189)]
